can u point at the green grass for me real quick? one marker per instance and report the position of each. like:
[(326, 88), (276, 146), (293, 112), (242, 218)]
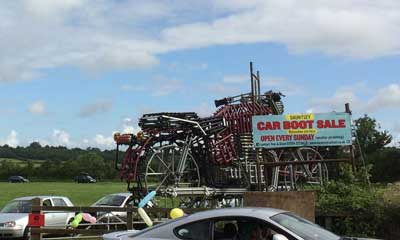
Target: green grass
[(36, 162), (80, 194), (391, 193)]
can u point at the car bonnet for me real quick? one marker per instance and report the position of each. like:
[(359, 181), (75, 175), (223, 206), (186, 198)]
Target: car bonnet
[(6, 217)]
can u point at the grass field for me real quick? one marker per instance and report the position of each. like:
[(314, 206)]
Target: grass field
[(391, 193), (86, 194), (80, 194), (36, 163)]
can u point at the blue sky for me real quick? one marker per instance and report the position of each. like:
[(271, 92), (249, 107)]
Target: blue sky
[(73, 72)]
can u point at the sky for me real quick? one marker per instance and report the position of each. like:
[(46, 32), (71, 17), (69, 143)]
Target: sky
[(73, 72)]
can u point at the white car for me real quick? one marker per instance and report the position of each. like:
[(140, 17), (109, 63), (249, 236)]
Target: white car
[(14, 216), (114, 200)]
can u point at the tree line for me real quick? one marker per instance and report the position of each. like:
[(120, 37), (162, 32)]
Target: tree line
[(57, 162)]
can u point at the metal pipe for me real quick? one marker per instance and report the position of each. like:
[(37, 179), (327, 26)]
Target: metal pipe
[(116, 158), (252, 82), (258, 86), (274, 164), (185, 120)]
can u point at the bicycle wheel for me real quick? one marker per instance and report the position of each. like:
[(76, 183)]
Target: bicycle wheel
[(297, 177), (161, 169)]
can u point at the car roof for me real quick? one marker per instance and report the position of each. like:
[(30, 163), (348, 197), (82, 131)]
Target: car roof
[(39, 196), (245, 212)]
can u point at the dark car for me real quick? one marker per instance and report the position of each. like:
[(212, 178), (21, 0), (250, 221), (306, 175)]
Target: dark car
[(84, 179), (17, 179)]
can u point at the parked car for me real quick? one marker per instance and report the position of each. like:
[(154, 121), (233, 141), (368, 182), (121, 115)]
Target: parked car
[(114, 200), (232, 223), (84, 179), (17, 179), (14, 216)]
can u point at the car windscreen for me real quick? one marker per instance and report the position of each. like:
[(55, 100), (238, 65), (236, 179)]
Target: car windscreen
[(303, 228), (111, 200), (18, 206)]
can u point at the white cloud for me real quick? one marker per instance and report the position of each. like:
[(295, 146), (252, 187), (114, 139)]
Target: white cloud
[(345, 28), (386, 97), (337, 101), (222, 89), (396, 134), (167, 88), (104, 35), (236, 78), (37, 108), (129, 126), (50, 9), (205, 109), (159, 86), (61, 137), (162, 86), (49, 34), (101, 106), (11, 140), (275, 81), (185, 67), (103, 141), (397, 127), (283, 85)]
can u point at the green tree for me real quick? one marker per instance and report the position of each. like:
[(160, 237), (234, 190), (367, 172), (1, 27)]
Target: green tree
[(386, 165), (370, 135), (92, 163)]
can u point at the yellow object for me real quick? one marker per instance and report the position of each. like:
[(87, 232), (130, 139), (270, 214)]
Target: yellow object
[(176, 213), (145, 217), (297, 117), (77, 220)]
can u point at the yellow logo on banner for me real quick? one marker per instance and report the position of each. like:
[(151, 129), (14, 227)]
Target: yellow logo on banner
[(302, 131), (307, 116)]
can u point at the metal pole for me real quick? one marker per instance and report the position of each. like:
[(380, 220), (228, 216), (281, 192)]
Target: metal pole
[(252, 82), (117, 158), (258, 169), (258, 86)]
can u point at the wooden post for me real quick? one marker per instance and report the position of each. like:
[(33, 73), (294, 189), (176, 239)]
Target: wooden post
[(129, 218), (36, 209), (328, 222), (353, 161)]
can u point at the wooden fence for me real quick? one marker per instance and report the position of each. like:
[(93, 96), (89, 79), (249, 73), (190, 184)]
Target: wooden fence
[(162, 213), (37, 208)]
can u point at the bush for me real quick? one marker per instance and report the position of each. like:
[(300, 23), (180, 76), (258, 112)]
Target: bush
[(360, 207), (386, 165), (391, 224)]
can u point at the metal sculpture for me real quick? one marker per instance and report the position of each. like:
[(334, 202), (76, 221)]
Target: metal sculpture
[(184, 151)]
